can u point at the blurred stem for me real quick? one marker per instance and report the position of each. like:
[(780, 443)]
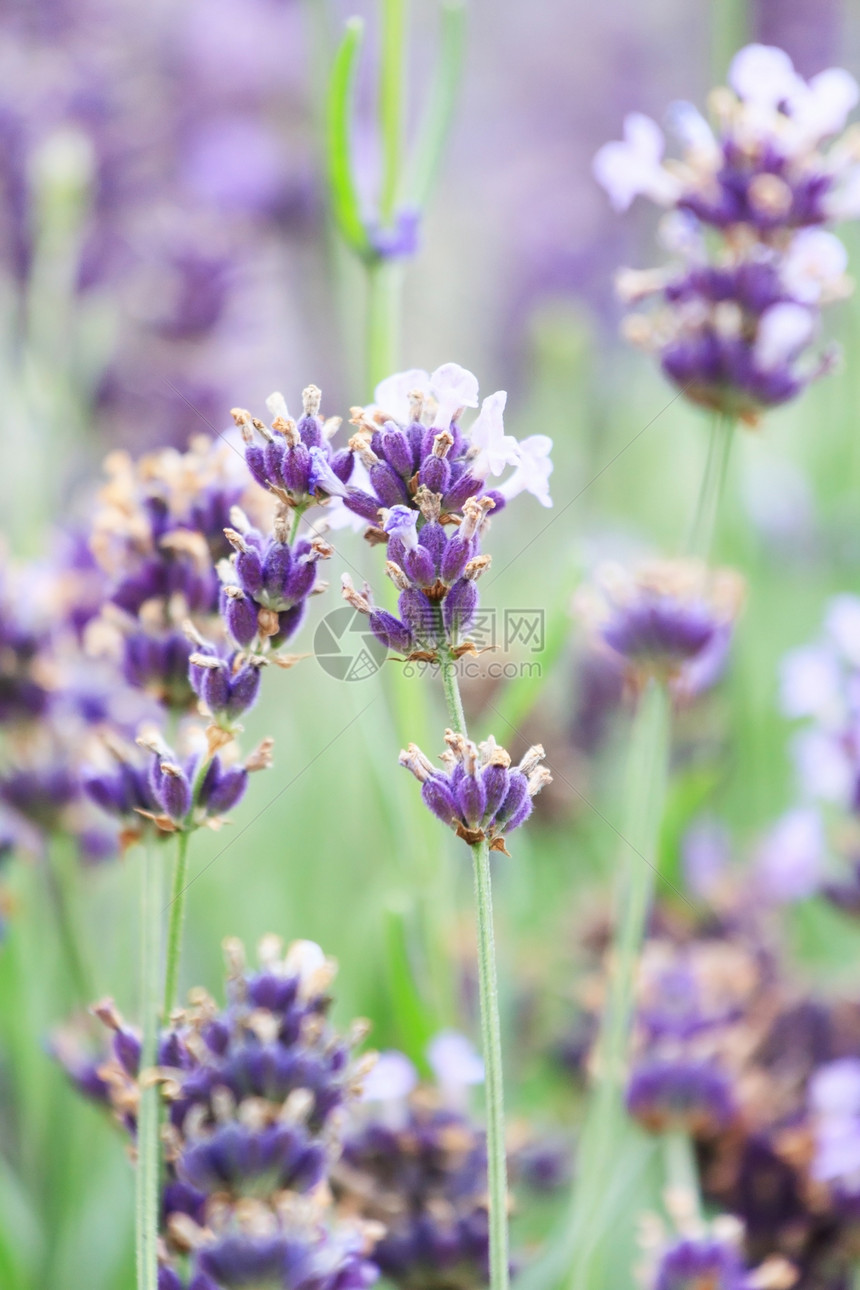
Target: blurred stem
[(147, 1197), (605, 1121), (67, 930), (491, 1031), (700, 538), (176, 919), (682, 1172), (384, 302), (391, 103)]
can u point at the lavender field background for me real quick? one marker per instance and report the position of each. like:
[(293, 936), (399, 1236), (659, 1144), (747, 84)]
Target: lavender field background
[(168, 252)]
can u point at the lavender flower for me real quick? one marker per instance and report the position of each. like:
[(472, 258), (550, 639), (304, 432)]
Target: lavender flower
[(695, 1262), (731, 324), (254, 1093), (478, 794), (295, 460), (411, 439), (267, 583), (667, 619), (672, 1093)]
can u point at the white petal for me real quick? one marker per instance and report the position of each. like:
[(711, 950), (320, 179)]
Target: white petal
[(835, 1088), (454, 1062), (783, 330), (633, 167), (763, 74), (691, 128), (533, 470), (277, 406), (393, 1077), (844, 201), (832, 96), (842, 624), (453, 388), (810, 684), (815, 261), (789, 863), (497, 450), (392, 394)]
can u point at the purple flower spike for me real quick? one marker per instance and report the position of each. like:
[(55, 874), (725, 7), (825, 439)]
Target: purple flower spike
[(465, 795)]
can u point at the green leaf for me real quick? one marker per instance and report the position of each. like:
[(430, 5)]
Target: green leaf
[(436, 124), (344, 195)]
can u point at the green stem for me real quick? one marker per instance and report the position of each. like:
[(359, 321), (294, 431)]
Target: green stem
[(384, 292), (491, 1031), (60, 898), (176, 921), (682, 1173), (491, 1036), (148, 1163), (605, 1120), (700, 538), (298, 512), (391, 103)]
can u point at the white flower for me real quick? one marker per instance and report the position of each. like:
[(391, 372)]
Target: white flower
[(391, 1079), (533, 469), (790, 860), (453, 388), (810, 684), (834, 1089), (455, 1064), (391, 396), (814, 265), (693, 131), (783, 331), (764, 75), (277, 405), (821, 108), (401, 522), (496, 450), (633, 166), (842, 624)]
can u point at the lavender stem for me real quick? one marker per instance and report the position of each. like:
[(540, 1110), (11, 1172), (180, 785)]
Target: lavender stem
[(148, 1162)]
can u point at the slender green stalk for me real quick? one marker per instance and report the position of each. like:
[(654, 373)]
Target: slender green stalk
[(176, 920), (682, 1174), (605, 1121), (491, 1032), (148, 1162), (384, 305), (491, 1036), (298, 512), (700, 538), (67, 931), (391, 103)]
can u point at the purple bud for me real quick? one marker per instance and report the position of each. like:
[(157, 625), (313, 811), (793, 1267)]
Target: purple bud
[(455, 557), (390, 488), (244, 689), (458, 607), (273, 455), (301, 580), (223, 789), (419, 566), (438, 797), (435, 474), (106, 792), (393, 634), (520, 816), (342, 464), (362, 504), (289, 622), (466, 486), (416, 610), (517, 794), (126, 1045), (240, 615), (310, 432), (249, 571), (397, 451), (256, 464), (297, 467), (174, 792), (277, 567), (472, 799), (496, 784), (214, 688)]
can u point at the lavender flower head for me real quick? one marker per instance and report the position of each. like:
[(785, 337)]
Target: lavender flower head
[(702, 1263), (669, 618), (412, 439), (820, 684), (731, 321), (834, 1101), (255, 1093), (478, 794)]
